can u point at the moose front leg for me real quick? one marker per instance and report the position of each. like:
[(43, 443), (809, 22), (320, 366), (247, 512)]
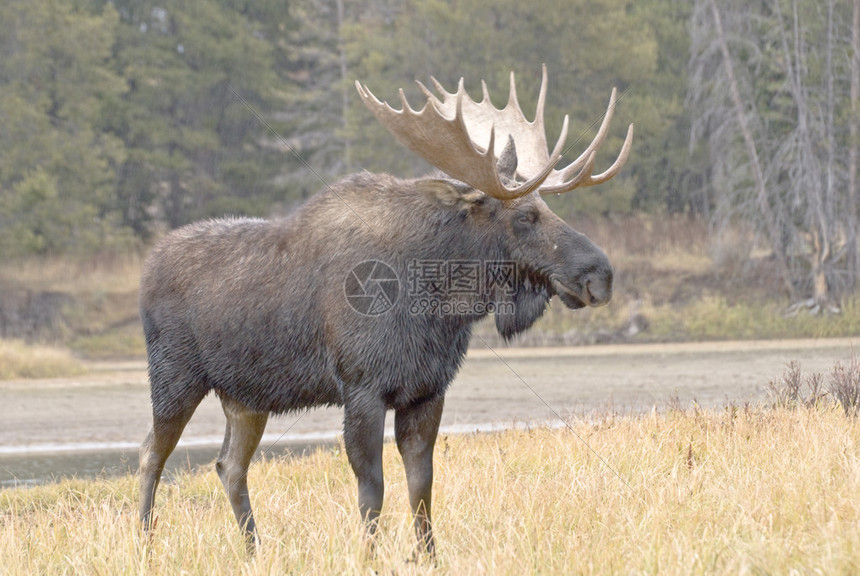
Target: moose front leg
[(415, 429), (363, 429)]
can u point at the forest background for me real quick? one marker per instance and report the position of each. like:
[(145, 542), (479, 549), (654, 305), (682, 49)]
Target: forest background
[(123, 119)]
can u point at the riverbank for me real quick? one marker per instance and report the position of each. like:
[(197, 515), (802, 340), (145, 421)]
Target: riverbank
[(107, 409)]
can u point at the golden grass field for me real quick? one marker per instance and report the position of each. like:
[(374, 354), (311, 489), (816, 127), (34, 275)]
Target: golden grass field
[(742, 490)]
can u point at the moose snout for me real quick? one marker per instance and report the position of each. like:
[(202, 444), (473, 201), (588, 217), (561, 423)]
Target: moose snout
[(592, 288), (585, 278), (596, 282), (597, 287)]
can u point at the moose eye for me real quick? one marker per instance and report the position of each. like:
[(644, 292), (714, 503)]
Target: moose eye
[(527, 217)]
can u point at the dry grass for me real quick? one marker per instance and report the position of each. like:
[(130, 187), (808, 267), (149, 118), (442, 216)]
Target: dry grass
[(721, 318), (20, 360), (98, 318), (689, 492), (110, 273)]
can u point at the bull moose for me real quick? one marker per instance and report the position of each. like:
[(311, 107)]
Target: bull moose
[(261, 311)]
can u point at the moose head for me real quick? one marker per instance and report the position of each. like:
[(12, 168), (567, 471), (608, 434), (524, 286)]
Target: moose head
[(498, 154)]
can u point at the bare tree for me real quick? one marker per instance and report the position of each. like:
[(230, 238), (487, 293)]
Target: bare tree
[(752, 150), (770, 78)]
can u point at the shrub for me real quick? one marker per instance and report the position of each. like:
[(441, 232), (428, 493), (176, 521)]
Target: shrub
[(793, 390), (845, 385)]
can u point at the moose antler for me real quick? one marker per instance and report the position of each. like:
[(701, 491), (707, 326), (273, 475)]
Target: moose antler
[(448, 132)]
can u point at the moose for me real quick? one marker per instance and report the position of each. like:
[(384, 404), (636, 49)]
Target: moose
[(263, 312)]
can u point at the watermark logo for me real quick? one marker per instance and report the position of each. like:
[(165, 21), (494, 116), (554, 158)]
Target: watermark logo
[(443, 278), (434, 287), (371, 288), (461, 287)]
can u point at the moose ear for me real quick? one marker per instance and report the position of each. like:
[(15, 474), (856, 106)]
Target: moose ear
[(507, 164), (452, 194)]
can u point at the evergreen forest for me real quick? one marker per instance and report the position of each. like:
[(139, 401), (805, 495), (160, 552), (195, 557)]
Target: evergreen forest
[(122, 119)]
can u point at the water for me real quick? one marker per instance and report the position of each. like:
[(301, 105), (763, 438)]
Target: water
[(34, 468), (40, 464)]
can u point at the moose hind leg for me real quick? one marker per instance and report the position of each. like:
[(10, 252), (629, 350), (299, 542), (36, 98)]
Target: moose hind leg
[(244, 430), (415, 430), (154, 451)]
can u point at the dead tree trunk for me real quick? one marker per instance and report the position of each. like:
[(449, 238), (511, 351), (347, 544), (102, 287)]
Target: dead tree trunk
[(852, 150), (825, 229), (812, 178), (770, 223)]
